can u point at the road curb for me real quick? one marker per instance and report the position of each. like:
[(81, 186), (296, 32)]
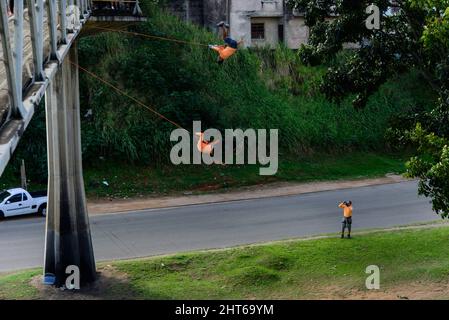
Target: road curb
[(245, 194)]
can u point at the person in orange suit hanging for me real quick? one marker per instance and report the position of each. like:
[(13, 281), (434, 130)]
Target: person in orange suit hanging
[(347, 218), (204, 146), (229, 48)]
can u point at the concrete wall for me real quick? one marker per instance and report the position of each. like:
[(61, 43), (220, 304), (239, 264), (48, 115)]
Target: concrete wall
[(297, 32), (271, 32), (195, 10), (188, 10), (245, 12), (214, 12), (241, 13), (205, 13)]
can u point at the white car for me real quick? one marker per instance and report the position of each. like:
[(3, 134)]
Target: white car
[(17, 202)]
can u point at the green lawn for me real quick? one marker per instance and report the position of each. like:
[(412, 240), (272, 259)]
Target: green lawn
[(17, 286), (131, 181), (286, 270)]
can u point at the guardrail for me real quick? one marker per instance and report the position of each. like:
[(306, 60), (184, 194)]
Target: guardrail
[(34, 40)]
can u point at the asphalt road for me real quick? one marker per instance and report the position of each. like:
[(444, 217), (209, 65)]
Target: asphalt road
[(161, 231)]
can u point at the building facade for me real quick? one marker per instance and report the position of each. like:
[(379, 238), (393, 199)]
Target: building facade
[(205, 13), (256, 22), (267, 23)]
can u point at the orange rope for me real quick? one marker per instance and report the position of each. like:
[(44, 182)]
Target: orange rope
[(125, 94), (151, 36)]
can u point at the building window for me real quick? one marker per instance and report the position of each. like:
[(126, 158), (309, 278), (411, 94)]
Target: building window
[(257, 31), (281, 33)]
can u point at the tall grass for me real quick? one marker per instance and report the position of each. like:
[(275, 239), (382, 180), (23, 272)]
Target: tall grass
[(264, 88)]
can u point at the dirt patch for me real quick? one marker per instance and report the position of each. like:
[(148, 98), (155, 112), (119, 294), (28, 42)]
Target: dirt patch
[(208, 187), (102, 206), (111, 285), (419, 290)]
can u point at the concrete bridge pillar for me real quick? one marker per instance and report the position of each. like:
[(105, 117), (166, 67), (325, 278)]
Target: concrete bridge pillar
[(68, 239)]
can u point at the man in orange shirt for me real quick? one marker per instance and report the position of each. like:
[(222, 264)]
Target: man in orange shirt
[(347, 218), (231, 46)]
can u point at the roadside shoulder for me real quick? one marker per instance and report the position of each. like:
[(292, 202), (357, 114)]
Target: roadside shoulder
[(97, 207)]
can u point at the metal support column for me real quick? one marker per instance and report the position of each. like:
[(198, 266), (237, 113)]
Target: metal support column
[(68, 239)]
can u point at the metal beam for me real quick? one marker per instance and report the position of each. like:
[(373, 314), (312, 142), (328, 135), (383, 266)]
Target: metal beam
[(8, 60), (18, 50), (74, 23), (36, 11), (78, 4), (84, 2), (63, 20), (52, 26)]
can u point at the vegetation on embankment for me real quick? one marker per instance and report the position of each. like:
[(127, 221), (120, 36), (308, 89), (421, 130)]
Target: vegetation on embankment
[(254, 89), (110, 179), (413, 264)]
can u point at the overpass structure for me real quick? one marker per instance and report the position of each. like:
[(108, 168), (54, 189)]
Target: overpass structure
[(39, 62)]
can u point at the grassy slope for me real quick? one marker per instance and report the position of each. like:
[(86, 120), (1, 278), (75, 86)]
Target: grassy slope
[(319, 140), (150, 181), (290, 270)]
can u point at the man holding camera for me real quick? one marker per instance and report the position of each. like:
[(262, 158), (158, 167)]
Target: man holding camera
[(347, 218)]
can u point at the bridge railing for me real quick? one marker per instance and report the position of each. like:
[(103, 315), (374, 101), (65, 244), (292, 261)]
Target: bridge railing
[(116, 8), (33, 36)]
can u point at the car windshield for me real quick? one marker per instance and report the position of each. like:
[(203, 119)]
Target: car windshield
[(4, 195)]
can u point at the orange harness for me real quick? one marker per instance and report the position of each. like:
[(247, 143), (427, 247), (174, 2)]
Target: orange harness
[(204, 146)]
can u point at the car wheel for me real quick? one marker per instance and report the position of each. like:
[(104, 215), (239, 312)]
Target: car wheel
[(2, 215), (43, 210)]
